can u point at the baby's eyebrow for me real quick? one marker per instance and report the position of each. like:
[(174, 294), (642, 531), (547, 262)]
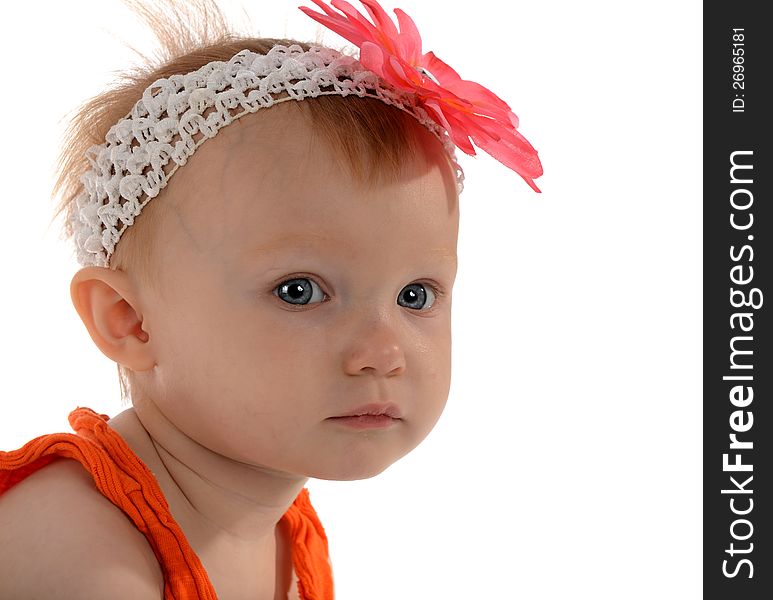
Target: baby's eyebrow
[(444, 253), (310, 238), (290, 240)]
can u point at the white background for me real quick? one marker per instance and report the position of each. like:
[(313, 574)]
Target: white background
[(568, 461)]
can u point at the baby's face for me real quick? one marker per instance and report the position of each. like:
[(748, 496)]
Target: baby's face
[(289, 295)]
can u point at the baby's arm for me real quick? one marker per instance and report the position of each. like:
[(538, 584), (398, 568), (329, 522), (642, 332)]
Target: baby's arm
[(60, 538)]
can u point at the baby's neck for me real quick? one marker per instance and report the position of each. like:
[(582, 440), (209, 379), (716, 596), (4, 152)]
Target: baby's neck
[(237, 535)]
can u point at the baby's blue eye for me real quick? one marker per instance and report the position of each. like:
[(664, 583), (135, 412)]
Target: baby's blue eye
[(299, 291), (416, 294), (303, 290)]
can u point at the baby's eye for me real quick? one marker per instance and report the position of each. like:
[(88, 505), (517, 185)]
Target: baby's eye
[(415, 296), (303, 290), (299, 290)]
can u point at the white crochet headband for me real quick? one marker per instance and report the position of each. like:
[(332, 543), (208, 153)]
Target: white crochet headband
[(172, 110)]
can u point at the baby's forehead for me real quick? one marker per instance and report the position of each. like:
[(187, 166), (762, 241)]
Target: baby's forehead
[(274, 151), (259, 158), (271, 173), (273, 140), (278, 152), (285, 139)]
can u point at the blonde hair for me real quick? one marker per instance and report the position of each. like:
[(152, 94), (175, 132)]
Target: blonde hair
[(370, 137)]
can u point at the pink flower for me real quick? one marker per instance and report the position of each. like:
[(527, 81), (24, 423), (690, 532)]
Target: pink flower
[(469, 112)]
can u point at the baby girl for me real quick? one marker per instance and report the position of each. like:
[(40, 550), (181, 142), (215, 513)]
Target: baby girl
[(268, 234)]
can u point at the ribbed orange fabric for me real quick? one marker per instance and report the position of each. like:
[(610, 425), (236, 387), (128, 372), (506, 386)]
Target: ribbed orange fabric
[(126, 481)]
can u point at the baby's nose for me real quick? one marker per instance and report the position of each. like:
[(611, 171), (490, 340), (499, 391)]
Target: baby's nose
[(377, 350)]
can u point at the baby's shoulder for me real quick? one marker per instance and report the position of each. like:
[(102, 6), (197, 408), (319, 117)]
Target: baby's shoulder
[(60, 537)]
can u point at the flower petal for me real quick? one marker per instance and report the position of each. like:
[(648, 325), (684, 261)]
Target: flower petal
[(374, 33), (328, 11), (456, 129), (372, 57), (439, 69), (451, 80), (355, 33), (520, 156), (401, 75), (409, 41), (380, 18)]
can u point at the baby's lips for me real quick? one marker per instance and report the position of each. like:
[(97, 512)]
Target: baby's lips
[(389, 409)]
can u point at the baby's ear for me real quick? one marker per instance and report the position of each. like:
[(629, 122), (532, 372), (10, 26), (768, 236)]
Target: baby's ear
[(109, 308)]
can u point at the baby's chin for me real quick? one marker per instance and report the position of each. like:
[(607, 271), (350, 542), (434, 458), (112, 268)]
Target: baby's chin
[(351, 473), (355, 463)]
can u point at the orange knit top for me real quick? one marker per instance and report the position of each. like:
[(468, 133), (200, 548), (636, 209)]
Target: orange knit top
[(126, 481)]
